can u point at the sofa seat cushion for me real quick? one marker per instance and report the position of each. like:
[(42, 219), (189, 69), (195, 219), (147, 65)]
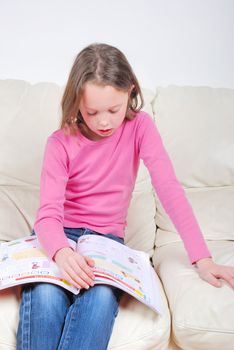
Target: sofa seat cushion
[(202, 315), (136, 326)]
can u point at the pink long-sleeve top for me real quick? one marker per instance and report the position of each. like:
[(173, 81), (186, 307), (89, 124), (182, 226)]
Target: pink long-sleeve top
[(88, 184)]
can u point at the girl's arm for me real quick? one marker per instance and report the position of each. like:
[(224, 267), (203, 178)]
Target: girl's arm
[(75, 268), (54, 177), (176, 205)]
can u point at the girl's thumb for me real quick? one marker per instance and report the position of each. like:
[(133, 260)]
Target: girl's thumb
[(89, 261)]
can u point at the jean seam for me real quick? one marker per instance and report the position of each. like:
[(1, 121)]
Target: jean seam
[(69, 326), (115, 313), (26, 313)]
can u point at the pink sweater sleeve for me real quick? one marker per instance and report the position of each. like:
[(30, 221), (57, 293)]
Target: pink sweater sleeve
[(49, 220), (170, 192)]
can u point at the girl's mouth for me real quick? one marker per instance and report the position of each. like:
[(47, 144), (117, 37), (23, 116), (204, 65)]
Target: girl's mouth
[(106, 131)]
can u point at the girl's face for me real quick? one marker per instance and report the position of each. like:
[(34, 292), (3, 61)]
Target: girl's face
[(103, 109)]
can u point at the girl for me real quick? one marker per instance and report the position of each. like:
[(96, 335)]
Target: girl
[(88, 175)]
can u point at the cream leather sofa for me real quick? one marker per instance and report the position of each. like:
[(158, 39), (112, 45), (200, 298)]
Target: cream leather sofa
[(197, 126)]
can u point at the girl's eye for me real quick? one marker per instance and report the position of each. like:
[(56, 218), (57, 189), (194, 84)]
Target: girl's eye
[(92, 114)]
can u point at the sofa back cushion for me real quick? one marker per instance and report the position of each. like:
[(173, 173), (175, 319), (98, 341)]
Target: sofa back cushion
[(197, 127), (29, 114)]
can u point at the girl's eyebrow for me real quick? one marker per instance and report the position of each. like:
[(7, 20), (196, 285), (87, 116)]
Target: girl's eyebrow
[(108, 108)]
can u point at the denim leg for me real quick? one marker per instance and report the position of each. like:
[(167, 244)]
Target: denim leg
[(52, 318), (42, 313), (90, 319)]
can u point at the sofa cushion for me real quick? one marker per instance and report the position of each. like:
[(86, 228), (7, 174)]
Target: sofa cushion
[(197, 127), (29, 114), (202, 315)]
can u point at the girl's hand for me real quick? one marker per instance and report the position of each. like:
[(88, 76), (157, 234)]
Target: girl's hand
[(75, 268), (211, 272)]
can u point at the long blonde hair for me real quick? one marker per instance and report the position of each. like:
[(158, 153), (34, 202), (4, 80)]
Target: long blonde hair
[(100, 64)]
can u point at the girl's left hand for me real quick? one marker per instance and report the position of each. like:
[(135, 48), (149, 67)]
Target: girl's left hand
[(211, 272)]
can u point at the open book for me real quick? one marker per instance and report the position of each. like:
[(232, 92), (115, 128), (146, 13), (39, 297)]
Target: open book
[(24, 261)]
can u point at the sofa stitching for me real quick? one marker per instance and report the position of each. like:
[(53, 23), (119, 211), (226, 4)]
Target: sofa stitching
[(202, 328)]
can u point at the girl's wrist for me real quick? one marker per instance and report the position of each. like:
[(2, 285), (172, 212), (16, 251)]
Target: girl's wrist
[(204, 262), (62, 252)]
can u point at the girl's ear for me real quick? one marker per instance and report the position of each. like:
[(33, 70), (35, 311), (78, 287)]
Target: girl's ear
[(131, 89)]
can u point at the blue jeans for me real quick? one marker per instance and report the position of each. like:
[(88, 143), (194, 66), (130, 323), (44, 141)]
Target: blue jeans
[(53, 318)]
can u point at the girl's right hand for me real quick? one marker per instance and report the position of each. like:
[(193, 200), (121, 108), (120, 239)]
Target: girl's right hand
[(75, 268)]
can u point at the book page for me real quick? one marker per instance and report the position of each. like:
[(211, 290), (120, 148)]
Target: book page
[(24, 261), (122, 267)]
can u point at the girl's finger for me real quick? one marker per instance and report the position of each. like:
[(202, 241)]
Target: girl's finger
[(226, 276), (80, 278), (211, 280), (89, 261), (70, 280), (229, 279), (83, 265)]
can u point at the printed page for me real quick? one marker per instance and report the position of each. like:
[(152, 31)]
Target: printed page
[(122, 267), (24, 261)]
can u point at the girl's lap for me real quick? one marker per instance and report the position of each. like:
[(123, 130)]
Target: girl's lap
[(49, 296)]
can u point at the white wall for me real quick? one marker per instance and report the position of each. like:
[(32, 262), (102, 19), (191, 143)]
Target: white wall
[(166, 41)]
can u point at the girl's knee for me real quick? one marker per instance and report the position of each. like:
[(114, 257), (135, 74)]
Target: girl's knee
[(44, 295), (104, 297), (44, 291)]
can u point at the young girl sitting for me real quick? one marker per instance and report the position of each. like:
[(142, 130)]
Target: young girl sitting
[(88, 175)]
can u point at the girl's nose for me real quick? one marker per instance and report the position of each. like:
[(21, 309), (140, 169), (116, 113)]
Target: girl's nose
[(103, 121)]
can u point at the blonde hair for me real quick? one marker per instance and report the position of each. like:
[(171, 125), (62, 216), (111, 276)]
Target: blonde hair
[(101, 64)]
